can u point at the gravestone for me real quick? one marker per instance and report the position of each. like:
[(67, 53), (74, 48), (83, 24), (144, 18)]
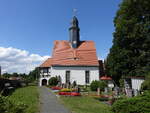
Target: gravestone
[(78, 89), (135, 92), (129, 92), (98, 91), (106, 90), (116, 91)]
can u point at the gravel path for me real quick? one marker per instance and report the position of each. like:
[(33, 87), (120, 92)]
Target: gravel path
[(49, 102)]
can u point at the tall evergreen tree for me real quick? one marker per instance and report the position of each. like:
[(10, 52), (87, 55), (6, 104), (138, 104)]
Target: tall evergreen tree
[(130, 53)]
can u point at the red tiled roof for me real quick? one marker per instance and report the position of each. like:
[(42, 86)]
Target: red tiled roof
[(47, 63), (105, 78), (65, 55)]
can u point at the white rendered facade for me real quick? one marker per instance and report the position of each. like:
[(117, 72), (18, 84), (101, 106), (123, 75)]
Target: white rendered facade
[(44, 75), (77, 74), (136, 83)]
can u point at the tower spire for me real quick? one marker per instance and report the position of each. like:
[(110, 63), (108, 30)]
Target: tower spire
[(74, 32)]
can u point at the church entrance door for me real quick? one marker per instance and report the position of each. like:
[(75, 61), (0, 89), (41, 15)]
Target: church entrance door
[(44, 82)]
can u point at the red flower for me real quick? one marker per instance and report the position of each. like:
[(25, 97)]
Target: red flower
[(56, 88)]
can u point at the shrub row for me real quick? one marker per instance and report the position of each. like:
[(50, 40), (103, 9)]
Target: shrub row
[(139, 104)]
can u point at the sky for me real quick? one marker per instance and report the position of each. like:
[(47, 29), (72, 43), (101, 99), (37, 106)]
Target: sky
[(28, 29)]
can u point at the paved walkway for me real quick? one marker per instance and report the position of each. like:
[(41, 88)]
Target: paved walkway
[(49, 102)]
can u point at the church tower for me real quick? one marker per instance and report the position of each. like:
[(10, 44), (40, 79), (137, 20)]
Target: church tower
[(74, 33), (75, 56)]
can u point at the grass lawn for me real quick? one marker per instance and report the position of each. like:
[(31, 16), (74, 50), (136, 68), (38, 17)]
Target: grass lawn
[(85, 105), (29, 96)]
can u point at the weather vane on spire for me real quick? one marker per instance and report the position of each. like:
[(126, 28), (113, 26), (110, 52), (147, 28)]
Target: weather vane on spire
[(74, 12)]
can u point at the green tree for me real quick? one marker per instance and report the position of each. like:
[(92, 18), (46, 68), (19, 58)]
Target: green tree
[(14, 75), (94, 85), (6, 75), (33, 75), (146, 83), (98, 84), (130, 53)]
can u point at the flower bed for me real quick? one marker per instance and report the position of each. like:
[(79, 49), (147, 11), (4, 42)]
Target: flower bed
[(67, 90), (64, 93), (56, 88), (69, 93), (75, 94)]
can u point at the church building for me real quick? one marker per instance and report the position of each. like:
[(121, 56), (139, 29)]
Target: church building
[(72, 60)]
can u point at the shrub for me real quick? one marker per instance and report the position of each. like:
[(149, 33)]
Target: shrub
[(139, 104), (103, 99), (7, 106), (121, 83), (102, 85), (53, 81), (95, 84), (146, 84)]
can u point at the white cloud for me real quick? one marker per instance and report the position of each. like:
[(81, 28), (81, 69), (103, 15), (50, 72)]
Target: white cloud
[(21, 61)]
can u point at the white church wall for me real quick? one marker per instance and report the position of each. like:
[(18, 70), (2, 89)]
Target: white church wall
[(44, 75), (76, 73), (42, 78), (58, 72)]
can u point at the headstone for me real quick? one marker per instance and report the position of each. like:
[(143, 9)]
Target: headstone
[(62, 85), (116, 91), (129, 92), (126, 83), (78, 90), (135, 91), (74, 84), (68, 85), (59, 84), (65, 85), (106, 90), (98, 91)]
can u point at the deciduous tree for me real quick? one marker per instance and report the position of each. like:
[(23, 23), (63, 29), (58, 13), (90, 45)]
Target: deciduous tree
[(130, 53)]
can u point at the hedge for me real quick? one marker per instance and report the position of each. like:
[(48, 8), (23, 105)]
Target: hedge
[(138, 104)]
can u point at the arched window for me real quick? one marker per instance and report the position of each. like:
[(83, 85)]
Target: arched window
[(87, 77), (67, 76)]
